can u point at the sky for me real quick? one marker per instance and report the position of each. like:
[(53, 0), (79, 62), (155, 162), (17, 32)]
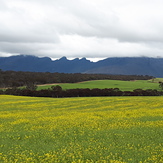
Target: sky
[(94, 29)]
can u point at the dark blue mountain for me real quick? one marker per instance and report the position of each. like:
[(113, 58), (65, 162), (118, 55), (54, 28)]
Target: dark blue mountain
[(45, 64), (130, 66), (115, 65)]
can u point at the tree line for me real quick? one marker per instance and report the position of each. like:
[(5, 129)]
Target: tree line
[(56, 91), (17, 79)]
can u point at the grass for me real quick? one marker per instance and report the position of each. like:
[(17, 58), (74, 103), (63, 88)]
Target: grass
[(123, 85), (80, 130)]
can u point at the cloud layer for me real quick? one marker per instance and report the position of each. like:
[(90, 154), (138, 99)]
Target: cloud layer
[(81, 28)]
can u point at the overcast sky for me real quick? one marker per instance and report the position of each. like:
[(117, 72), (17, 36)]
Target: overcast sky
[(81, 28)]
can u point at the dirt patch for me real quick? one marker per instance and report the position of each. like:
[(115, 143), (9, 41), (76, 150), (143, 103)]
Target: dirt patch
[(50, 84)]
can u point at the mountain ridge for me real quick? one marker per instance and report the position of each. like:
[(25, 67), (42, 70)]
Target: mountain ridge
[(113, 65)]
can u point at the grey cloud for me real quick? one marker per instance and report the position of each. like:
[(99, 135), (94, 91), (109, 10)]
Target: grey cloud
[(86, 19), (28, 37), (81, 28)]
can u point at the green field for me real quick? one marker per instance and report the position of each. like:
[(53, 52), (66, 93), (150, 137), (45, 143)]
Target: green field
[(122, 85), (81, 130)]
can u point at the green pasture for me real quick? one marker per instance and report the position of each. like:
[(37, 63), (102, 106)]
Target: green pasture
[(101, 84), (81, 130)]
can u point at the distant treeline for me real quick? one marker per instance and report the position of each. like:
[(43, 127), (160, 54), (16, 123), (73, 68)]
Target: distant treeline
[(17, 79), (56, 91)]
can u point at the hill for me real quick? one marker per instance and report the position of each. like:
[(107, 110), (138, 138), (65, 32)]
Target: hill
[(116, 65), (102, 84)]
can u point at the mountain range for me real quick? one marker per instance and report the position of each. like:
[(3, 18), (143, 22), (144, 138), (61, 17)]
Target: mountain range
[(114, 65)]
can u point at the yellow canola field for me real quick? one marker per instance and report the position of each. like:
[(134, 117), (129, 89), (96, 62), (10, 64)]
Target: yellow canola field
[(81, 130)]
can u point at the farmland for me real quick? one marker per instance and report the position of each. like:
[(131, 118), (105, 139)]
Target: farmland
[(79, 130), (102, 84)]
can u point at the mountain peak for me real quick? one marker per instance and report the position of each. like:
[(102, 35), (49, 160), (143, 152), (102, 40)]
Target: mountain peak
[(76, 59), (63, 59), (83, 58)]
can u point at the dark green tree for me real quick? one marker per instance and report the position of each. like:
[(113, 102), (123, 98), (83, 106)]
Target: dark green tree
[(56, 88), (161, 85), (31, 86)]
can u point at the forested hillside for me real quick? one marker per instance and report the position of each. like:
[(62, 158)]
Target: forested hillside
[(16, 79)]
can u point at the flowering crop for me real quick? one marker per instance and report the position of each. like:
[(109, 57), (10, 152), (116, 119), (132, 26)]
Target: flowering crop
[(81, 130)]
